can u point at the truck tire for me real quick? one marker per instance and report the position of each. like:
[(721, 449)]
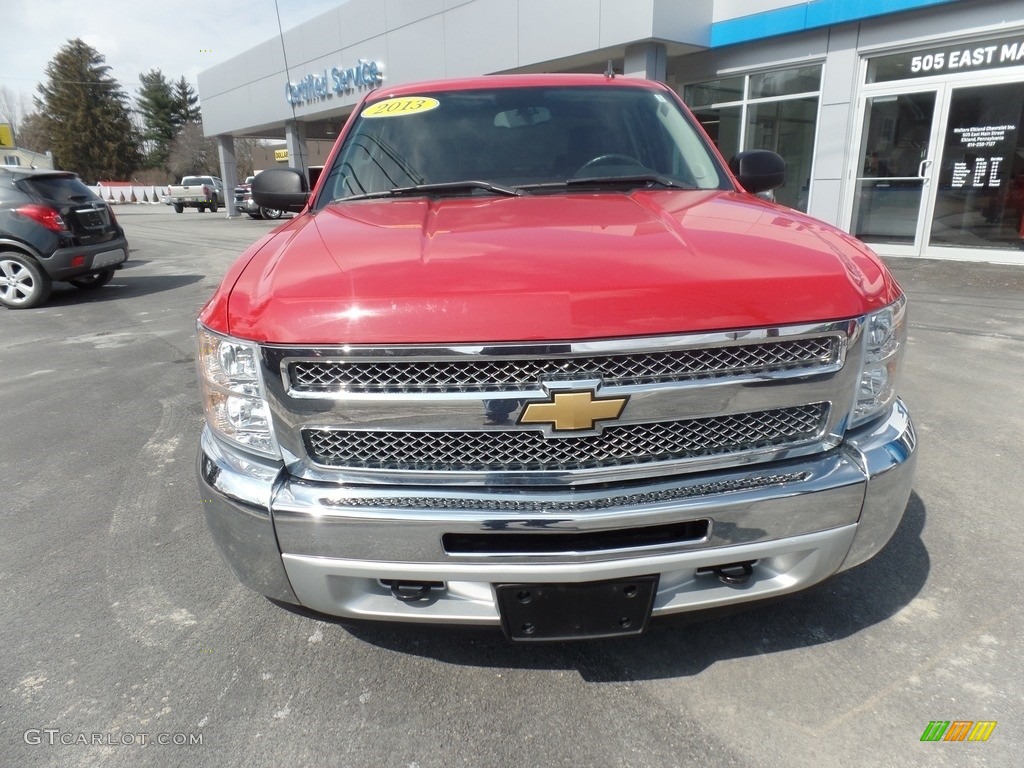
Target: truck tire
[(178, 208), (92, 282), (270, 213), (23, 283), (202, 209), (213, 207)]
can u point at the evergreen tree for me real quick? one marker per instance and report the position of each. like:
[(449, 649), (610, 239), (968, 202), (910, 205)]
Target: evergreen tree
[(86, 116), (158, 106), (186, 103)]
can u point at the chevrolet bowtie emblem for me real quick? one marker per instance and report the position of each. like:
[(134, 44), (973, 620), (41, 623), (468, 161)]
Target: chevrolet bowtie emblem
[(569, 411)]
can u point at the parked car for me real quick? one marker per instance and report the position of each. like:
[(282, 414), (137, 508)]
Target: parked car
[(202, 192), (53, 227), (245, 203)]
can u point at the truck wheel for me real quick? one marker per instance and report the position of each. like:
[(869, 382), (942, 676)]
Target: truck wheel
[(270, 213), (178, 208), (23, 283), (213, 207), (202, 209), (92, 282)]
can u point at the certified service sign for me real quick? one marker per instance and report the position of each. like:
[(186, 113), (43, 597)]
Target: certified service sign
[(340, 81)]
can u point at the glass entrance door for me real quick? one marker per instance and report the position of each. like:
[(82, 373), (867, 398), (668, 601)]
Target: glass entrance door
[(979, 194), (941, 170), (896, 169)]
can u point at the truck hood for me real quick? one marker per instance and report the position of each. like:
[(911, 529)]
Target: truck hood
[(609, 264)]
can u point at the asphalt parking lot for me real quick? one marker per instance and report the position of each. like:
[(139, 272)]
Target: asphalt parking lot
[(121, 629)]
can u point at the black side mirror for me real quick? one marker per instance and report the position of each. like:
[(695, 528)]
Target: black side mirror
[(282, 188), (758, 170)]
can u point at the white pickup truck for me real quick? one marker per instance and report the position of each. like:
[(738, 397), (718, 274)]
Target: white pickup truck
[(202, 192)]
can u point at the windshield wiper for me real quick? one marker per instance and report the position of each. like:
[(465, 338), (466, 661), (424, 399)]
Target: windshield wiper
[(444, 186), (629, 179)]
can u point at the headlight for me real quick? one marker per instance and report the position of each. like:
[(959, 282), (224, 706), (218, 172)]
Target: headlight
[(236, 409), (885, 339)]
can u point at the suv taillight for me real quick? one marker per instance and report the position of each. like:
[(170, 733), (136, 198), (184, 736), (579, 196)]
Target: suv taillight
[(44, 215)]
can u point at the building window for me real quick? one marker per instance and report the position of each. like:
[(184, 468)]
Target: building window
[(776, 110), (12, 160)]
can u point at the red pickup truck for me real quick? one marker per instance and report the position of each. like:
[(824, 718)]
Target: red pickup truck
[(532, 355)]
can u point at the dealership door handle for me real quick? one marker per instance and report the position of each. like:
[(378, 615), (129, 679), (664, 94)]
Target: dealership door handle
[(922, 169)]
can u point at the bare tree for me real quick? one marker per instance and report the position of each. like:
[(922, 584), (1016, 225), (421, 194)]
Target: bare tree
[(244, 148), (14, 108), (192, 153)]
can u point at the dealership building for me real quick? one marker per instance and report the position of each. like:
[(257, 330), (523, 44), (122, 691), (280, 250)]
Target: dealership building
[(900, 120)]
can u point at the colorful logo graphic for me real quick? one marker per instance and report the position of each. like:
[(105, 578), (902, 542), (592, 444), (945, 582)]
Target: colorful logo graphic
[(958, 730)]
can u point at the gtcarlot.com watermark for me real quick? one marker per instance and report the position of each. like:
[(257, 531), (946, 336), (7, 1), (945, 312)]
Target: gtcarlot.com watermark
[(53, 737)]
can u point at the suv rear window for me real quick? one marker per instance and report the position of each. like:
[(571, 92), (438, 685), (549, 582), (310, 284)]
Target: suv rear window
[(59, 189)]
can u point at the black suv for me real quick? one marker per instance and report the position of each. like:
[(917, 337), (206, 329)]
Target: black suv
[(53, 227)]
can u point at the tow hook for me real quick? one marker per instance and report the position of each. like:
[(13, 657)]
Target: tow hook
[(734, 574), (412, 591)]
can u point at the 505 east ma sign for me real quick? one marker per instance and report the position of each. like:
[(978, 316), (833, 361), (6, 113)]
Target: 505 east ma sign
[(991, 54), (365, 74)]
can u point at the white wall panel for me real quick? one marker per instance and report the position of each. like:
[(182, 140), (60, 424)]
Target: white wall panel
[(414, 52), (553, 30), (833, 147), (361, 20), (467, 51), (732, 9), (263, 60), (401, 12), (321, 37), (842, 70), (230, 107), (688, 22), (826, 199), (625, 21)]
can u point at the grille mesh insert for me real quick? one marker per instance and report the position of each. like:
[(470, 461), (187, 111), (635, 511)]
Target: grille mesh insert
[(526, 450), (514, 375), (736, 485)]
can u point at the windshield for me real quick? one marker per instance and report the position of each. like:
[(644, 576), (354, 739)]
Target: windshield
[(520, 139)]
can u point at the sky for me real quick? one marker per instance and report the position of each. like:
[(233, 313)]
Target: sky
[(136, 36)]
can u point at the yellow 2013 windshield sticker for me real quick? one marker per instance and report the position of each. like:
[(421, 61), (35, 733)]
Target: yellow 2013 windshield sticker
[(406, 105)]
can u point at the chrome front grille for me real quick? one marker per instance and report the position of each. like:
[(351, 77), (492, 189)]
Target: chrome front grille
[(518, 450), (455, 415), (518, 375)]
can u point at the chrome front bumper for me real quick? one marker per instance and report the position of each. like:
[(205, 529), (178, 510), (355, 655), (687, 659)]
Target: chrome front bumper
[(334, 548)]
